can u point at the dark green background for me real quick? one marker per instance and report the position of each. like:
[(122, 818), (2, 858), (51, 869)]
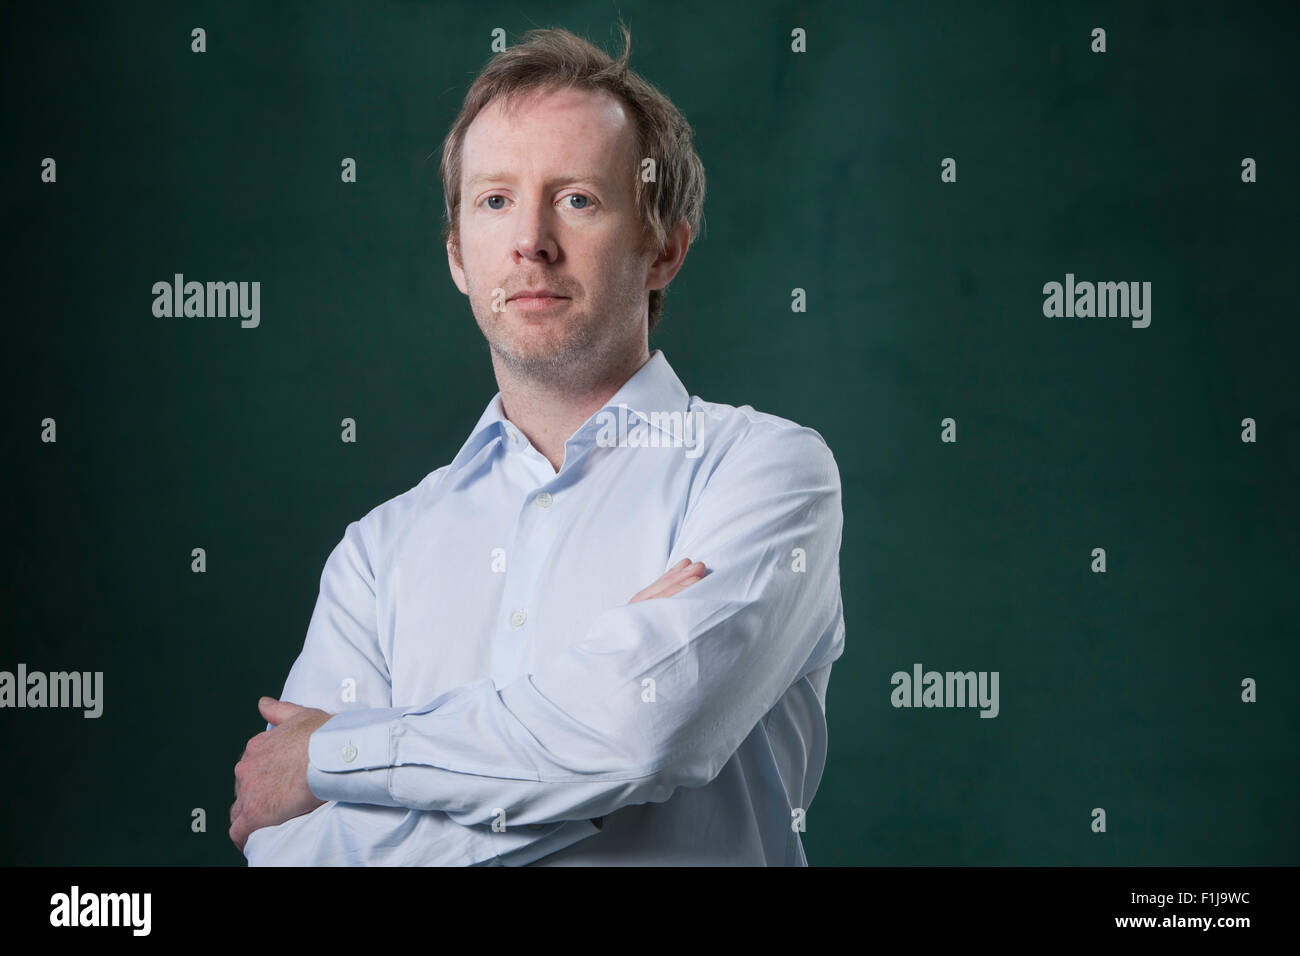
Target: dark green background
[(1118, 690)]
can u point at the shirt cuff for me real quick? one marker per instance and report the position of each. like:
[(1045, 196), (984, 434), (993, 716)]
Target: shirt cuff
[(350, 757)]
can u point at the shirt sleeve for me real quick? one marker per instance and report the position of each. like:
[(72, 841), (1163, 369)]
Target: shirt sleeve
[(342, 669), (655, 695)]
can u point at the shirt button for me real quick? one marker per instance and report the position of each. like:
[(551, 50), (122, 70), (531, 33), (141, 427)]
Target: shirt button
[(544, 499), (517, 619), (349, 753)]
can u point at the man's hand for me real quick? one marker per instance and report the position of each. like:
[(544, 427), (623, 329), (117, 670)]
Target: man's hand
[(677, 578), (271, 776)]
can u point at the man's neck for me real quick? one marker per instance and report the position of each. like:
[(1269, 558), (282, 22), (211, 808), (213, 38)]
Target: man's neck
[(548, 413)]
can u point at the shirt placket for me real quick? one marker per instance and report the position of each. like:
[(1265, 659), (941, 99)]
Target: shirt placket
[(535, 531)]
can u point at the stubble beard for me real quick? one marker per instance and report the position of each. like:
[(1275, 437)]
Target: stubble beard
[(573, 353), (557, 357)]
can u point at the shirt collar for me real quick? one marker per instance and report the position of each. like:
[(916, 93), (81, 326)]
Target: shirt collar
[(653, 388)]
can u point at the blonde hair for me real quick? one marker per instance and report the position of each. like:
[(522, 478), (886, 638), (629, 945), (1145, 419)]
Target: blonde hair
[(558, 59)]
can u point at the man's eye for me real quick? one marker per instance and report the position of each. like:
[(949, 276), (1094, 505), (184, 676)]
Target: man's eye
[(586, 201)]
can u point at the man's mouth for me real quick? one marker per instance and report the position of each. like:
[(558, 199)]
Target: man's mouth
[(537, 303)]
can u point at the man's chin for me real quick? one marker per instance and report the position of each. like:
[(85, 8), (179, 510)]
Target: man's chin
[(536, 357)]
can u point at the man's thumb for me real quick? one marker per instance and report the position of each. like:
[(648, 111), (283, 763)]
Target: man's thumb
[(269, 708)]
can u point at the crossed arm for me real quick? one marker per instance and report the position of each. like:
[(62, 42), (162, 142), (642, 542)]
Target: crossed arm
[(271, 775), (574, 739)]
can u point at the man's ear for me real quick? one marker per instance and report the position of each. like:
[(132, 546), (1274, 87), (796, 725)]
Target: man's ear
[(670, 257), (457, 273)]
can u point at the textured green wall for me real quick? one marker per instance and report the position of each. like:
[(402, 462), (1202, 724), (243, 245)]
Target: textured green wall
[(1119, 690)]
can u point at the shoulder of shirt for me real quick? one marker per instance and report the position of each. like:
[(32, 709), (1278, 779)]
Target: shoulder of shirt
[(745, 431), (378, 526)]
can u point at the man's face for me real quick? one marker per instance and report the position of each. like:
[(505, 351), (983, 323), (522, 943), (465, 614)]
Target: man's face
[(547, 201)]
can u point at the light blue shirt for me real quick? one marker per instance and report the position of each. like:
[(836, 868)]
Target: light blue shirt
[(499, 702)]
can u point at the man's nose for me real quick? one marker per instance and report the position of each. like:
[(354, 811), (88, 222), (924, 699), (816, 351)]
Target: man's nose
[(535, 237)]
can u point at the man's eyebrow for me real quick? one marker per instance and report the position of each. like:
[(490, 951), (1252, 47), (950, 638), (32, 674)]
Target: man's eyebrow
[(502, 177)]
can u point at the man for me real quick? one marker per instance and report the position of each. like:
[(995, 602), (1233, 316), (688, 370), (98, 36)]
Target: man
[(475, 686)]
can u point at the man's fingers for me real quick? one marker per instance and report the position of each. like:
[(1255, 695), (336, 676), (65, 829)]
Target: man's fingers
[(238, 834), (677, 578), (653, 590), (663, 582), (685, 580)]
